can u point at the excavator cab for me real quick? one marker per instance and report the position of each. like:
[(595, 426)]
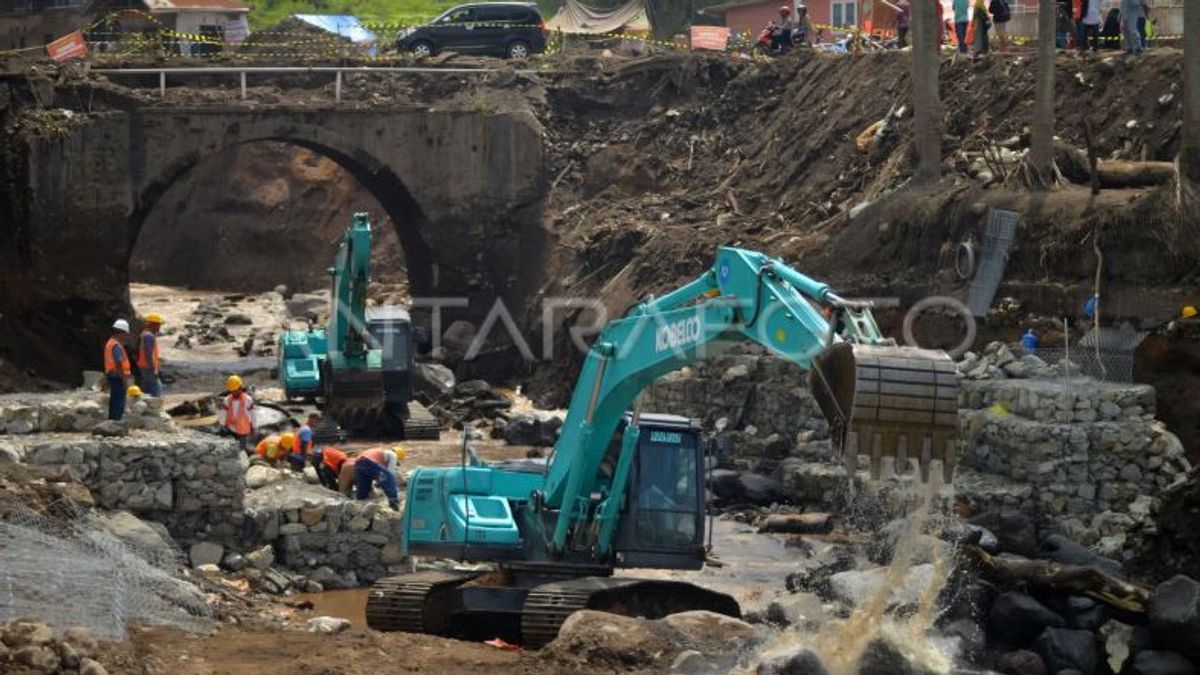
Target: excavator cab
[(662, 524)]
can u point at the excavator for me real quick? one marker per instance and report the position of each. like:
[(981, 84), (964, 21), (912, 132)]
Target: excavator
[(625, 488), (362, 362)]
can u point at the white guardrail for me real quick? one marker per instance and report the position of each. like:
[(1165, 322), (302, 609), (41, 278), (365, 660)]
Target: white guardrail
[(338, 71)]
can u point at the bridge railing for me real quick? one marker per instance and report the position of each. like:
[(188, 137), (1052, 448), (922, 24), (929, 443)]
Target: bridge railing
[(339, 73)]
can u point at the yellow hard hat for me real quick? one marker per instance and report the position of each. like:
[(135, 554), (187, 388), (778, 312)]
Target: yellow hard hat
[(133, 391), (154, 317), (287, 441), (401, 453), (1188, 312), (233, 383)]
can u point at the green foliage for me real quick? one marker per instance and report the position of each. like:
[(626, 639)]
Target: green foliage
[(264, 13)]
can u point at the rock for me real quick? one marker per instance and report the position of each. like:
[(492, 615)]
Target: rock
[(67, 656), (1153, 662), (457, 339), (474, 389), (238, 319), (532, 429), (37, 657), (1063, 550), (150, 540), (90, 667), (1016, 619), (1015, 532), (205, 553), (1065, 648), (1175, 616), (604, 641), (712, 633), (22, 633), (307, 305), (327, 624), (312, 515), (110, 429), (434, 379), (756, 489), (856, 587), (690, 661), (261, 558), (9, 454), (235, 562), (83, 640), (882, 657), (282, 291), (803, 661), (209, 570), (1021, 662), (258, 475), (735, 373)]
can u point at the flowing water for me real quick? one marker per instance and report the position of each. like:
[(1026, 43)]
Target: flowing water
[(841, 642)]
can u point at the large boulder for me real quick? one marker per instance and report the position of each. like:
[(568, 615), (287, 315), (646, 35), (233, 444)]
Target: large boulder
[(1062, 549), (1152, 662), (206, 553), (883, 657), (1016, 619), (803, 661), (1014, 532), (1175, 616), (856, 587), (537, 429), (1068, 649), (149, 540), (259, 475), (1021, 662), (434, 379), (607, 641)]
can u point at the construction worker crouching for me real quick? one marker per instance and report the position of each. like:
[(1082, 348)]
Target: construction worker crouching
[(276, 448), (117, 370), (304, 443), (356, 476), (237, 413), (147, 360), (134, 395)]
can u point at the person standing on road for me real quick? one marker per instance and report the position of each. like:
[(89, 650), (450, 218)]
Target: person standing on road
[(962, 16), (148, 359), (238, 411), (1133, 24), (117, 370), (982, 25), (1001, 14), (903, 16), (1090, 20)]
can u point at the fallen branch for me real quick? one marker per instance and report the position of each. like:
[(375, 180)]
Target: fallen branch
[(797, 523), (1115, 173)]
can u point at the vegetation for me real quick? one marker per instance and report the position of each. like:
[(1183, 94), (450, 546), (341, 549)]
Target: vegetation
[(265, 13)]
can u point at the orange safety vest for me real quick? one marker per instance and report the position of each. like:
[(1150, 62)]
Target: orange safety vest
[(238, 413), (333, 458), (375, 455), (115, 354), (270, 449), (148, 360)]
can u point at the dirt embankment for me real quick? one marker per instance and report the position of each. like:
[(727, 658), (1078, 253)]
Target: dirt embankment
[(257, 216)]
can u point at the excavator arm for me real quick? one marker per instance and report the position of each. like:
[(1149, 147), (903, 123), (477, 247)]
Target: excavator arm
[(904, 399)]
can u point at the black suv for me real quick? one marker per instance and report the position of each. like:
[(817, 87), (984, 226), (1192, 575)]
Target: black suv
[(511, 29)]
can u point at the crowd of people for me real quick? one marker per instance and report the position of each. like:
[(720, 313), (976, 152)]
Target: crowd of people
[(352, 475)]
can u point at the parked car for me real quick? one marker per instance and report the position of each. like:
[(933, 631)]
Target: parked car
[(511, 29)]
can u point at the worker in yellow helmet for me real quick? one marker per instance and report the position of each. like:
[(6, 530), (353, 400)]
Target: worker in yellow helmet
[(276, 448), (237, 413), (148, 360), (1188, 312)]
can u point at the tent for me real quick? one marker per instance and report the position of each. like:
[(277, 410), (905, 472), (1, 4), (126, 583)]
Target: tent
[(576, 17), (342, 25)]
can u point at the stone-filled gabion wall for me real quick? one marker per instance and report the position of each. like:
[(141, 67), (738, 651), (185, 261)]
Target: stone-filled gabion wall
[(1058, 448), (22, 414), (192, 483)]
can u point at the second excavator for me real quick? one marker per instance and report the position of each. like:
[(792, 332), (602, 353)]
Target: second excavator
[(626, 489)]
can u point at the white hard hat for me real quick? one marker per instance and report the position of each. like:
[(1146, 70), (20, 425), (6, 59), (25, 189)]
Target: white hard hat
[(121, 324)]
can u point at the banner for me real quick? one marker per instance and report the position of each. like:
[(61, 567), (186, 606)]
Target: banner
[(237, 30), (710, 37), (70, 46)]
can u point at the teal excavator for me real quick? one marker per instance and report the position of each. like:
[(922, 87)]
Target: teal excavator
[(626, 489), (362, 362)]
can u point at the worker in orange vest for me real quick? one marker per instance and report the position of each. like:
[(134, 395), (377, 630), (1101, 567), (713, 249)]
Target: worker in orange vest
[(117, 370), (329, 462), (304, 442), (238, 411), (147, 360), (276, 448), (376, 465)]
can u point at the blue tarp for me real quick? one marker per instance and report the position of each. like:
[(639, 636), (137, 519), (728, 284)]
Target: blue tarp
[(344, 25)]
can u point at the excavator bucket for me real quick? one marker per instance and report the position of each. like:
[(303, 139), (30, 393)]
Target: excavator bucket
[(884, 401)]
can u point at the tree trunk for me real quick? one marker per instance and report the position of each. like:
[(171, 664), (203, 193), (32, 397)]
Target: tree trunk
[(926, 104), (1189, 149), (1041, 143)]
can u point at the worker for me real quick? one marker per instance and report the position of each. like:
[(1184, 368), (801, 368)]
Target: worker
[(238, 413), (117, 370), (363, 471), (781, 37), (134, 396), (304, 442), (147, 360), (276, 448), (1030, 342), (1089, 308), (329, 462), (1188, 312)]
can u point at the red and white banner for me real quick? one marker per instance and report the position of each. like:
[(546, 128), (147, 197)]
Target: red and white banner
[(710, 37), (70, 46)]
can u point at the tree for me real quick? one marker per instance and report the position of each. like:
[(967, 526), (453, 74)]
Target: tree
[(926, 103), (1189, 149), (1041, 143)]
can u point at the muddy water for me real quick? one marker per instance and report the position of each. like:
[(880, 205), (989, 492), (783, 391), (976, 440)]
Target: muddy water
[(349, 604)]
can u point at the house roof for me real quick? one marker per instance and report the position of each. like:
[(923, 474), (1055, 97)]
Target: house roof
[(195, 6)]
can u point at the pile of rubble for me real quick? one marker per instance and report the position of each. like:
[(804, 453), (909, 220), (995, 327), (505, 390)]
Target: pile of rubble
[(210, 323), (999, 361), (23, 414), (32, 647), (477, 404)]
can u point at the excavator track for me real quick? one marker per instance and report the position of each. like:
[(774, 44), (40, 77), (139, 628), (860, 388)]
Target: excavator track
[(421, 425), (547, 606), (413, 603)]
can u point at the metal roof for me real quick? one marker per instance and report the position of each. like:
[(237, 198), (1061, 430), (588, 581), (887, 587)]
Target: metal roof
[(195, 6)]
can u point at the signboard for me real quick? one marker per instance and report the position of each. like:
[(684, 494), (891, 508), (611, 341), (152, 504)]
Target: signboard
[(67, 47), (710, 37), (237, 30)]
